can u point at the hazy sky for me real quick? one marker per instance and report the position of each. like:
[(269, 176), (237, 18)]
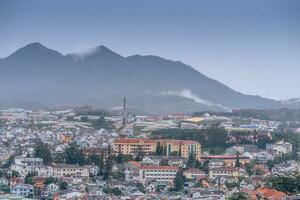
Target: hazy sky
[(252, 46)]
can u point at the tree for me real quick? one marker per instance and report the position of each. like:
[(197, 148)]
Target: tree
[(287, 184), (262, 141), (238, 196), (29, 178), (108, 164), (120, 158), (191, 160), (180, 151), (74, 155), (174, 153), (50, 180), (164, 162), (237, 160), (178, 181), (63, 185), (249, 169), (42, 150), (101, 164), (115, 191), (15, 174), (9, 162), (101, 123), (159, 149)]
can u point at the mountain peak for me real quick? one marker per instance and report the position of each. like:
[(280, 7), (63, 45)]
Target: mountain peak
[(35, 49)]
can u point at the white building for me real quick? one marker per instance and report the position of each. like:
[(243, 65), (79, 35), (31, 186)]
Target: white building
[(24, 190), (61, 170), (280, 148), (28, 165)]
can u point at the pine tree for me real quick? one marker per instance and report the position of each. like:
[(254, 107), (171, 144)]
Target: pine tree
[(178, 181), (237, 161)]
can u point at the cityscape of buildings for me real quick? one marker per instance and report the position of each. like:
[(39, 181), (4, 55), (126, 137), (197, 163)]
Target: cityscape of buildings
[(83, 153)]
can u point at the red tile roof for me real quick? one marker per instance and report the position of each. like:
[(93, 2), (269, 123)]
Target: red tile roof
[(133, 140)]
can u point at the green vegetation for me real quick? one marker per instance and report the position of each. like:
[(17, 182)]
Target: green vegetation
[(29, 178), (280, 159), (102, 123), (178, 181), (63, 185), (238, 196), (74, 155), (290, 185), (8, 162), (108, 165), (50, 180), (42, 150), (4, 188), (114, 191)]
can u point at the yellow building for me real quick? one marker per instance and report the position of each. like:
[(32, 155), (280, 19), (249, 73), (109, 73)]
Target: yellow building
[(132, 146), (129, 146)]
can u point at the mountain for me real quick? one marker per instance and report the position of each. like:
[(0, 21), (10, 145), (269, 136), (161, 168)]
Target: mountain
[(36, 76)]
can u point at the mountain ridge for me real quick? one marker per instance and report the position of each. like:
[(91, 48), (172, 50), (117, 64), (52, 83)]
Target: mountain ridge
[(102, 77)]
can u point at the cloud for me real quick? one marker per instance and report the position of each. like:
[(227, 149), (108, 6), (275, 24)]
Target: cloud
[(85, 52), (187, 93)]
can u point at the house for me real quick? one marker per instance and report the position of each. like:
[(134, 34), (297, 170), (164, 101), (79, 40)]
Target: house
[(3, 181), (194, 173), (267, 193), (49, 190), (24, 190), (263, 157), (27, 165), (286, 168), (215, 163), (39, 182), (72, 194), (224, 171), (152, 160), (60, 170), (14, 181), (162, 174), (279, 148), (229, 160)]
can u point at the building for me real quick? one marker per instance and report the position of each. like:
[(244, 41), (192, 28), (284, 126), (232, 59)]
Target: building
[(183, 147), (267, 193), (229, 160), (194, 173), (24, 190), (39, 182), (279, 148), (61, 170), (130, 146), (133, 146), (161, 174), (224, 171), (27, 165)]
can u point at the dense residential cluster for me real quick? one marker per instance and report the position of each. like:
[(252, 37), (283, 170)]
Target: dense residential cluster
[(83, 153)]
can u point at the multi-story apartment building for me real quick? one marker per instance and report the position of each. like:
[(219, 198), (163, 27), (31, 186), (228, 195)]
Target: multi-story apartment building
[(224, 171), (61, 170), (130, 146), (27, 165), (161, 174), (279, 148), (183, 147), (148, 146), (24, 190)]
